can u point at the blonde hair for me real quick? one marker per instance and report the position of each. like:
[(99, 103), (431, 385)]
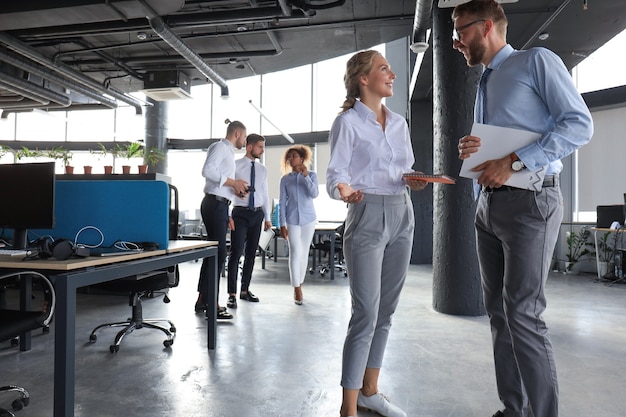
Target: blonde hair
[(358, 65), (305, 153)]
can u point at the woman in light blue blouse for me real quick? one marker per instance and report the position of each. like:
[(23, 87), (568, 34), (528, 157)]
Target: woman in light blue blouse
[(298, 188)]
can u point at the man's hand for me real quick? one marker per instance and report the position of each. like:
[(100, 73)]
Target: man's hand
[(240, 187), (494, 172), (268, 225), (468, 145)]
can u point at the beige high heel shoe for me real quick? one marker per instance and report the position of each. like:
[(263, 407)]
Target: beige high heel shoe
[(297, 295)]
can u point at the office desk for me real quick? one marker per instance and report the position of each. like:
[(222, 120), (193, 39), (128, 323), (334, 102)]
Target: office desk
[(71, 274), (327, 229)]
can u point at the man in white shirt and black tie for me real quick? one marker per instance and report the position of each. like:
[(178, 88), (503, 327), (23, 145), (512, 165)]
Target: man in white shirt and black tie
[(250, 211)]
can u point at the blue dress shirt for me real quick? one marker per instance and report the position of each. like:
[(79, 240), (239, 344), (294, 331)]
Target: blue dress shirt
[(367, 157), (296, 198), (532, 90)]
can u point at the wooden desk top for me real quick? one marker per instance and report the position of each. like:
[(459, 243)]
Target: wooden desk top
[(327, 226), (174, 246)]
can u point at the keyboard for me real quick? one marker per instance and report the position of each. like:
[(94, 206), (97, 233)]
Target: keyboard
[(14, 252)]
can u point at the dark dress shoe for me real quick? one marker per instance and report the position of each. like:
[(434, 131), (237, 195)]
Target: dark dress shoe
[(248, 296), (232, 302), (224, 315), (498, 414), (201, 308)]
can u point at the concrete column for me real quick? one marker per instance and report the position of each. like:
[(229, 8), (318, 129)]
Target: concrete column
[(456, 277), (156, 131)]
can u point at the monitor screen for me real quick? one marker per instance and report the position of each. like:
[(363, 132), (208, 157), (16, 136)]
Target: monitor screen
[(26, 199)]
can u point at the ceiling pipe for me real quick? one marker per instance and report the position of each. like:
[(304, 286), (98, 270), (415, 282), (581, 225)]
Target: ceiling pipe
[(25, 50), (285, 7), (8, 82), (33, 97), (161, 29), (28, 66), (421, 23), (24, 103)]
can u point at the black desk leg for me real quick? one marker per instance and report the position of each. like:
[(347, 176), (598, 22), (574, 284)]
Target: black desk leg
[(331, 256), (26, 297), (64, 349), (212, 282)]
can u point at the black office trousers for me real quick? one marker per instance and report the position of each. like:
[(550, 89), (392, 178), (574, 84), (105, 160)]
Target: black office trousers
[(215, 217), (245, 237)]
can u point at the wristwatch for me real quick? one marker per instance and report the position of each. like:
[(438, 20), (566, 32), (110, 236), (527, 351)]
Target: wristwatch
[(516, 164)]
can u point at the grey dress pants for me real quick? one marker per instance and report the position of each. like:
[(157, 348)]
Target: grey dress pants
[(377, 248), (516, 231)]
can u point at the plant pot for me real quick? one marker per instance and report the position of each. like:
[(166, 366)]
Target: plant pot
[(108, 169), (87, 169), (69, 169), (125, 169), (142, 169), (572, 268), (603, 269)]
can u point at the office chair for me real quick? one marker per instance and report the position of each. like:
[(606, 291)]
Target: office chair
[(138, 287), (14, 321), (338, 261)]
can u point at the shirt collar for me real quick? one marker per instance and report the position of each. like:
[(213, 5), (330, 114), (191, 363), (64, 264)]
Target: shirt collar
[(364, 112), (501, 56)]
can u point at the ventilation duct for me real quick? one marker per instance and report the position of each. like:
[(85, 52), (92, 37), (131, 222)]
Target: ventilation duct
[(177, 44), (23, 49)]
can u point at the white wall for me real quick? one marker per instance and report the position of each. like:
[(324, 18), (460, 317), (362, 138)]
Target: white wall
[(602, 162)]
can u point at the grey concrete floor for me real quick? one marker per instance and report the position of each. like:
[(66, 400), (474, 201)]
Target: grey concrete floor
[(277, 359)]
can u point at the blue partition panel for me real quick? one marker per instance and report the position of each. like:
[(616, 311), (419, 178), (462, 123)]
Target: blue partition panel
[(136, 211)]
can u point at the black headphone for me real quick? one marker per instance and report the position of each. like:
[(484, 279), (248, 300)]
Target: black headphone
[(60, 249)]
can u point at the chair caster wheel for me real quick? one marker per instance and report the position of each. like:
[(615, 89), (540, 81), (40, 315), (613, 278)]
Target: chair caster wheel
[(114, 348), (93, 338), (168, 343), (173, 329)]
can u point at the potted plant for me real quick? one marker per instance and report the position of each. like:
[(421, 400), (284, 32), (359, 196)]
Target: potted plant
[(100, 153), (64, 155), (26, 153), (605, 251), (128, 151), (578, 245), (151, 157)]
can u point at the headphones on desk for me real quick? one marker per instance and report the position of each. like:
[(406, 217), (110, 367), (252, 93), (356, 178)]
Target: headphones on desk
[(60, 249)]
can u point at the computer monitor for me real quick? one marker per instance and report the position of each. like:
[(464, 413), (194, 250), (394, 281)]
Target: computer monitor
[(26, 199)]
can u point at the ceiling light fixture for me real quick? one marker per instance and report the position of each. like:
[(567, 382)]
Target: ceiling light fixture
[(543, 36)]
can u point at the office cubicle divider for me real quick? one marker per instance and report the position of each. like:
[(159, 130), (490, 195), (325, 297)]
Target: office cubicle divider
[(128, 210)]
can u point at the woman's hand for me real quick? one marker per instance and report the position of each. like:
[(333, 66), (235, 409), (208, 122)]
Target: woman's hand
[(348, 194), (415, 184), (283, 232)]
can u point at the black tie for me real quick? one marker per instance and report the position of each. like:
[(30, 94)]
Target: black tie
[(251, 200), (481, 108)]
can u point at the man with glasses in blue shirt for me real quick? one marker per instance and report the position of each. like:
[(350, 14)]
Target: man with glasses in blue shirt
[(517, 229)]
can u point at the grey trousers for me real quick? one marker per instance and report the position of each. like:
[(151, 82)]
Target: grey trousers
[(516, 231), (377, 248)]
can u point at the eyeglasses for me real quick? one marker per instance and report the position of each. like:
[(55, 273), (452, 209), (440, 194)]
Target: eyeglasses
[(456, 32)]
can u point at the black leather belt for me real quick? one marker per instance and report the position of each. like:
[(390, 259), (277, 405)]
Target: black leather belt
[(248, 208), (549, 181), (221, 199)]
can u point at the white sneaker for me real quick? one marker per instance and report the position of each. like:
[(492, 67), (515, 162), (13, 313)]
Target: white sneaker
[(380, 404)]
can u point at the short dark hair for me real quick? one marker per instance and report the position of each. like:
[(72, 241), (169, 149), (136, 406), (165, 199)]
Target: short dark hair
[(485, 9), (253, 139)]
